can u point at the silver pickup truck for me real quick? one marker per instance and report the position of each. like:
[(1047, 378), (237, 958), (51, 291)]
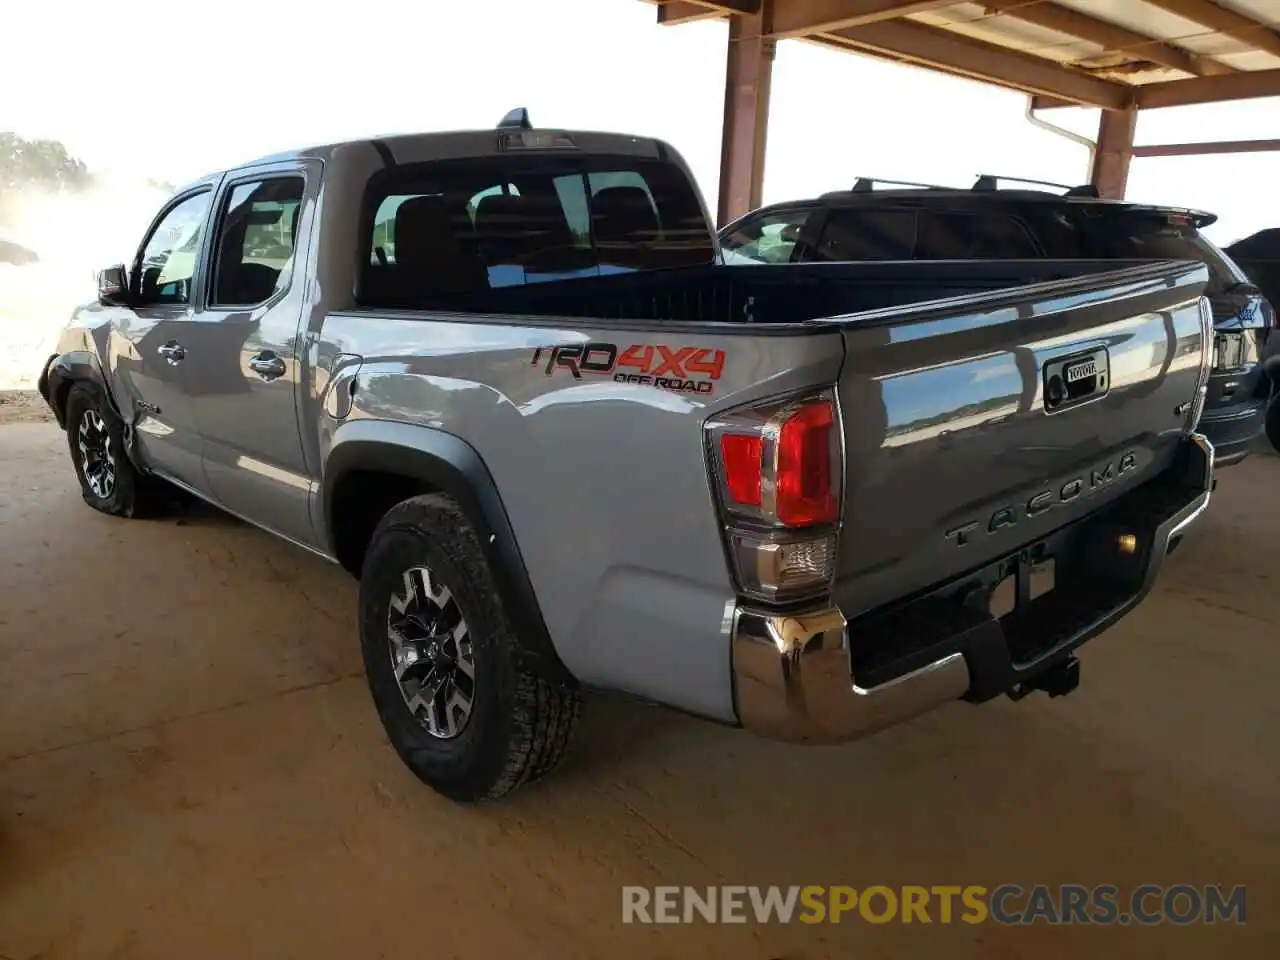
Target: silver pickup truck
[(502, 377)]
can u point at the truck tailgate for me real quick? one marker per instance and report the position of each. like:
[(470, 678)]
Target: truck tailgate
[(976, 425)]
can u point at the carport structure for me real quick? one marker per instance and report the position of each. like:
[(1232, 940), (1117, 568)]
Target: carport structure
[(1118, 55)]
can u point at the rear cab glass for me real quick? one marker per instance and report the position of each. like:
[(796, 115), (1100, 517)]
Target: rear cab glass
[(462, 227)]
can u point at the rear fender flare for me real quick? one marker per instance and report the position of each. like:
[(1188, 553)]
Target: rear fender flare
[(450, 465)]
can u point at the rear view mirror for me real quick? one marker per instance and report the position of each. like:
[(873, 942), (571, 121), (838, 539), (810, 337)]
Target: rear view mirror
[(113, 286)]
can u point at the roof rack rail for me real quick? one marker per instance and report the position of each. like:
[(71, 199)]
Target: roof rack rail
[(867, 184), (990, 181), (519, 118)]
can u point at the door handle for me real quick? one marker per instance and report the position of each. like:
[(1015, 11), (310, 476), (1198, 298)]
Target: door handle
[(172, 351), (267, 365)]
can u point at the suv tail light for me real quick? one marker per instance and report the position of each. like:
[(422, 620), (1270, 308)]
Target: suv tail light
[(777, 469)]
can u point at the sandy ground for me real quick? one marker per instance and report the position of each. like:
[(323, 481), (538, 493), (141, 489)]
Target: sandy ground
[(190, 767)]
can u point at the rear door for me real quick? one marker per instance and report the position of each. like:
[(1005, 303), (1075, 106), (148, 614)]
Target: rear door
[(961, 446), (249, 347), (150, 338)]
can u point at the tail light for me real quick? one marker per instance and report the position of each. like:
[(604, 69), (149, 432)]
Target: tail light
[(777, 469), (1207, 338)]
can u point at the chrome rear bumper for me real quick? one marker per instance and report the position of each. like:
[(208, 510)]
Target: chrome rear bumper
[(795, 677)]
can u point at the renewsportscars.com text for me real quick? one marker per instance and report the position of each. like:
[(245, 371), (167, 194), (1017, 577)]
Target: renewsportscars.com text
[(1008, 904)]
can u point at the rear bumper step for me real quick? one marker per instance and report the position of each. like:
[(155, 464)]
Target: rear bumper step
[(815, 677)]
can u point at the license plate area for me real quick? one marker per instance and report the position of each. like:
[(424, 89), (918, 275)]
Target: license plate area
[(1076, 379), (1228, 351), (1029, 581)]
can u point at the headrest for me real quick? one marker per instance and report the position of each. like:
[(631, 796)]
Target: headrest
[(423, 230), (623, 214), (499, 215)]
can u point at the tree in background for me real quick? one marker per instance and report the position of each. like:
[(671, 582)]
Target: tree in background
[(44, 163)]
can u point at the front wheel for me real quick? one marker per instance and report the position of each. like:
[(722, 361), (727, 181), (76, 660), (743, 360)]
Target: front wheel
[(108, 480), (461, 707)]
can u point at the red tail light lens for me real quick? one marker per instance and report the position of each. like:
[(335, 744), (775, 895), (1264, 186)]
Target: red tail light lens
[(804, 491), (741, 456)]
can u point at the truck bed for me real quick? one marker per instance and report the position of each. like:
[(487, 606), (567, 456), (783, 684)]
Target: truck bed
[(764, 294)]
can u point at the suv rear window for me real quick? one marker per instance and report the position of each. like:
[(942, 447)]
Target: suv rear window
[(459, 227), (1095, 232)]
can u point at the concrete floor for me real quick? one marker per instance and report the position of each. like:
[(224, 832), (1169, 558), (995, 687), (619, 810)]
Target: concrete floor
[(190, 767)]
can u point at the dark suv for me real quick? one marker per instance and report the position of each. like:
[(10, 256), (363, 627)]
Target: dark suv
[(985, 223)]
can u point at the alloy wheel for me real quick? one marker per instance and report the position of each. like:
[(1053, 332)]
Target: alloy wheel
[(431, 653), (97, 456)]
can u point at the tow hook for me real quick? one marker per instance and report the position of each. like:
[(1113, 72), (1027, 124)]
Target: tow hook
[(1057, 681)]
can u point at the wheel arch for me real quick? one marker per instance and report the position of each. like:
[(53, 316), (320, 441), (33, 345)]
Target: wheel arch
[(374, 464), (66, 370)]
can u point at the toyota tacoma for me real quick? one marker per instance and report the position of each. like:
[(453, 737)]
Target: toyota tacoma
[(504, 379)]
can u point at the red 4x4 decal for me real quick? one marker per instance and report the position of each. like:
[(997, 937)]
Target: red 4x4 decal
[(683, 369)]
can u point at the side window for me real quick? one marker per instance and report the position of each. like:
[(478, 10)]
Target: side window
[(168, 261), (853, 234), (973, 236), (773, 238), (257, 234)]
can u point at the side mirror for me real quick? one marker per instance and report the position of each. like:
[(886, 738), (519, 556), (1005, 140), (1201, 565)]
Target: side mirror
[(113, 286)]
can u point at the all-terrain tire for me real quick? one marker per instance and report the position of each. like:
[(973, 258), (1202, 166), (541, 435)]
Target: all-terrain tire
[(109, 482), (520, 722), (1273, 422)]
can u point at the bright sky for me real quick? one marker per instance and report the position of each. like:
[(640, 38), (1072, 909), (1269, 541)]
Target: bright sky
[(173, 90)]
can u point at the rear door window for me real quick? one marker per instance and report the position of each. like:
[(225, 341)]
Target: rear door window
[(853, 234), (464, 227), (973, 236)]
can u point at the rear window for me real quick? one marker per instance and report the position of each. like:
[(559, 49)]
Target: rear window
[(442, 229), (1095, 232)]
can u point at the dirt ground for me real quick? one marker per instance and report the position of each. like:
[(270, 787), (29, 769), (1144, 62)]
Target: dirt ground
[(190, 767)]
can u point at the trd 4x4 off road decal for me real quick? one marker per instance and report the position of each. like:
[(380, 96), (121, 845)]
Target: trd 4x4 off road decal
[(682, 369)]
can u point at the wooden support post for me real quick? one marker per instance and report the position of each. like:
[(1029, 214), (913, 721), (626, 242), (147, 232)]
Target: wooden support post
[(1115, 152), (748, 72)]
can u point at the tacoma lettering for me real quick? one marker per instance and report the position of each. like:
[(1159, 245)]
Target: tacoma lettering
[(1009, 514)]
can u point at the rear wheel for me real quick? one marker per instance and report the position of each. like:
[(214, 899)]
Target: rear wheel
[(108, 479), (461, 707)]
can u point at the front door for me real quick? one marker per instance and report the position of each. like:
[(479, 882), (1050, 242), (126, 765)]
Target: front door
[(245, 386), (148, 352)]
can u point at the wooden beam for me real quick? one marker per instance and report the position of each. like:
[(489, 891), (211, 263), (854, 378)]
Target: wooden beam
[(1107, 35), (1041, 102), (804, 18), (1114, 153), (1221, 20), (956, 54), (1207, 147), (1246, 85), (672, 12)]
